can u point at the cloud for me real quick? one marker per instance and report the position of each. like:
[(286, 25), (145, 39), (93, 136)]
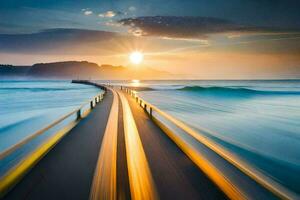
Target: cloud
[(188, 27), (53, 41), (132, 8), (87, 11), (112, 23), (110, 14)]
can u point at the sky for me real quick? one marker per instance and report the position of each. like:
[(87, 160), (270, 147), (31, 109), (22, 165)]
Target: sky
[(197, 39)]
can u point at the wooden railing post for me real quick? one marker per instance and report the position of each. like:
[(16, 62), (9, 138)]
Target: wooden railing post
[(150, 112), (78, 114), (92, 105)]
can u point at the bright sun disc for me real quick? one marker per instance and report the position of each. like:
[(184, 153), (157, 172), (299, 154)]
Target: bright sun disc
[(136, 57)]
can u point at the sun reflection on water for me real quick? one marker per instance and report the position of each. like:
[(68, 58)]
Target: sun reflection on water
[(135, 83)]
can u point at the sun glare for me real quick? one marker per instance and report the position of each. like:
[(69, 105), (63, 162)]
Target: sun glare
[(135, 83), (136, 57)]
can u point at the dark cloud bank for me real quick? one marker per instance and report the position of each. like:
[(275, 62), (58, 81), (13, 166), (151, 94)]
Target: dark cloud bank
[(90, 42), (58, 40), (190, 27)]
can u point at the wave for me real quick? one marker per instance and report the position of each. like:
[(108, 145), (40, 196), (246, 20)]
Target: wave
[(236, 90), (37, 89), (18, 123)]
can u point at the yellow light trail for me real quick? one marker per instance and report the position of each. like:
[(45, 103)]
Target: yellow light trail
[(105, 177), (140, 179)]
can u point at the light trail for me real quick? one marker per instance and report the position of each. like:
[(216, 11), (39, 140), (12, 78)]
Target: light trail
[(104, 184), (140, 179)]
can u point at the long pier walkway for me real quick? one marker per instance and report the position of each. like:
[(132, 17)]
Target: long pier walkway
[(119, 152)]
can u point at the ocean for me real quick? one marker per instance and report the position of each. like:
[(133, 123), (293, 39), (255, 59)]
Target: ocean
[(258, 121)]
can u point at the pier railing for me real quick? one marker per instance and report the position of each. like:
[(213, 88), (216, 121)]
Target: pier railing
[(218, 163), (11, 174)]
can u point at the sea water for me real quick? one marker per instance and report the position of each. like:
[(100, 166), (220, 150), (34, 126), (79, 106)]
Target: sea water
[(28, 106), (259, 121)]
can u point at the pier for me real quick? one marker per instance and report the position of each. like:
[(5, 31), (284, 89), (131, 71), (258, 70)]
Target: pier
[(119, 146)]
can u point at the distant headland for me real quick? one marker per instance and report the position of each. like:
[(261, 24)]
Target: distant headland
[(79, 70)]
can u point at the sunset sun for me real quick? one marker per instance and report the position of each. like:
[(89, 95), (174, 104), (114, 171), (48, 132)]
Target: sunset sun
[(136, 57)]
